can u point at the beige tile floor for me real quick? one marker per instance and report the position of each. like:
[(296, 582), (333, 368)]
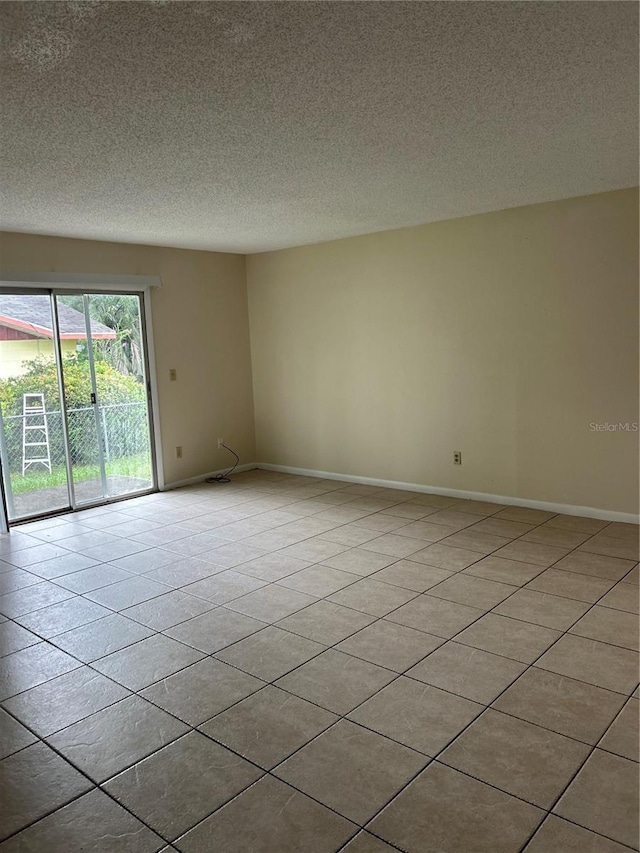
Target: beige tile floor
[(285, 664)]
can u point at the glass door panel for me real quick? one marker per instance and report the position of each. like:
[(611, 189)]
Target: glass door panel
[(120, 384), (32, 439), (106, 396)]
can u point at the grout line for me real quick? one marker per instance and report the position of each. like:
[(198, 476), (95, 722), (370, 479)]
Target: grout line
[(573, 823), (94, 786)]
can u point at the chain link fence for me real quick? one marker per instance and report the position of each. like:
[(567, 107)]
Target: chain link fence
[(122, 429)]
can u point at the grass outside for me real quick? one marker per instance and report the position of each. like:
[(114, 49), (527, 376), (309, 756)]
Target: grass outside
[(35, 480)]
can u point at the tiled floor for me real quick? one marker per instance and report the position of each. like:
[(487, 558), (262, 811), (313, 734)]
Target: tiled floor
[(291, 665)]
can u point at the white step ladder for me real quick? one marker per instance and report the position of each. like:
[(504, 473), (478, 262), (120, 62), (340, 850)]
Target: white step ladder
[(35, 433)]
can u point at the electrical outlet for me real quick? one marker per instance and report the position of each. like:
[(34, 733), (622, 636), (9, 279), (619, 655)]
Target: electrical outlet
[(457, 457), (179, 451), (173, 375), (220, 443)]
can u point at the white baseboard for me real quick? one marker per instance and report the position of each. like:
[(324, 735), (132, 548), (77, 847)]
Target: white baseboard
[(566, 509), (200, 478)]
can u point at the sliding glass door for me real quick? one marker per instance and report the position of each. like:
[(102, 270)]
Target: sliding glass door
[(75, 428)]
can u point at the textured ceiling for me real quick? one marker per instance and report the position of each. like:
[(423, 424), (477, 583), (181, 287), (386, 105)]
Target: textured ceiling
[(250, 126)]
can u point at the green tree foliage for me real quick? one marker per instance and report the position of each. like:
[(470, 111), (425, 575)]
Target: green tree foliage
[(119, 312), (41, 377)]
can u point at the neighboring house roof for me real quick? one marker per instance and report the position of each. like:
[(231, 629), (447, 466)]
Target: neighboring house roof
[(31, 314)]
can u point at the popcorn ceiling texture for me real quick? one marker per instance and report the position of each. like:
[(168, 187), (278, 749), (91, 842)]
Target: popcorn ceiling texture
[(244, 127)]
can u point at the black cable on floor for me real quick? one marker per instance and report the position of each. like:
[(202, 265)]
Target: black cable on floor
[(225, 478)]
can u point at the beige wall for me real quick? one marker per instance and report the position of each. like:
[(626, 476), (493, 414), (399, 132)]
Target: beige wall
[(502, 335), (200, 329)]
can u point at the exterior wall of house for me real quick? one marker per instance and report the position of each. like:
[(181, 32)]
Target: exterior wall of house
[(14, 354), (7, 334)]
